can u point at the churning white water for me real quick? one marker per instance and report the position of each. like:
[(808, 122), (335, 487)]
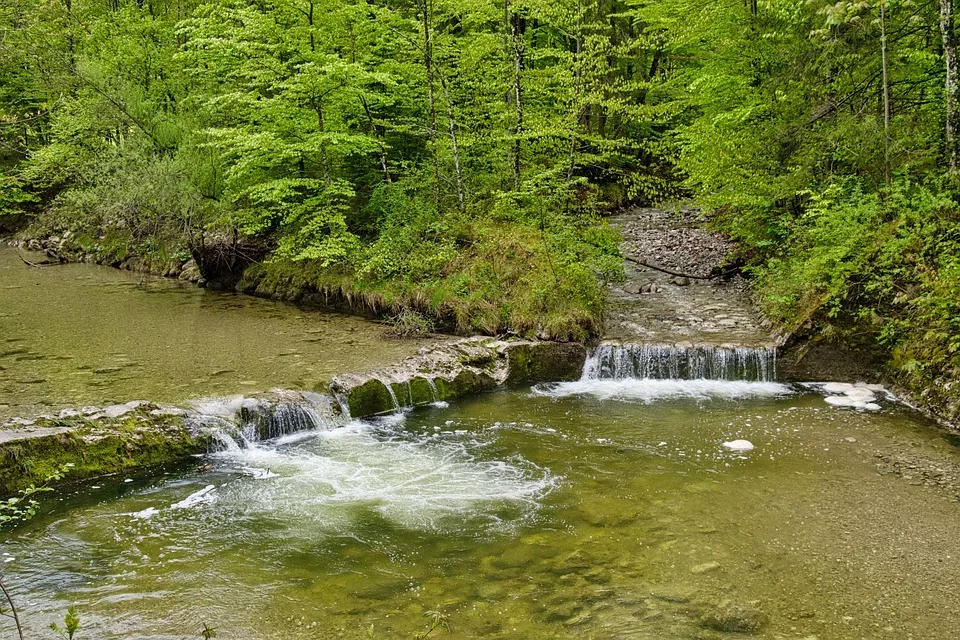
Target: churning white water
[(325, 471), (650, 390), (647, 373), (414, 482)]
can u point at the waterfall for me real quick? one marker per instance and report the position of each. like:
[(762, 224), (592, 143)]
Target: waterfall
[(240, 421), (393, 395), (433, 388), (622, 361)]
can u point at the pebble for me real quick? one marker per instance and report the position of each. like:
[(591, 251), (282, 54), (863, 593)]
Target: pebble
[(738, 445), (705, 567)]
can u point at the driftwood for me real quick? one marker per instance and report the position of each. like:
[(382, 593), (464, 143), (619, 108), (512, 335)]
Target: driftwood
[(37, 265), (644, 263)]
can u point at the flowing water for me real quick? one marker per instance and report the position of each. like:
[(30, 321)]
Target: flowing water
[(608, 507), (603, 508), (83, 334)]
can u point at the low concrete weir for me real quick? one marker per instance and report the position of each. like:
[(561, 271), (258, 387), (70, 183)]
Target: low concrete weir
[(459, 369), (690, 362)]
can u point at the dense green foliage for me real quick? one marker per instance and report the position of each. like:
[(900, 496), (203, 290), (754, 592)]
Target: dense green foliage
[(815, 133), (398, 147)]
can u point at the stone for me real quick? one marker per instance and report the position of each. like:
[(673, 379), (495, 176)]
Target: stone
[(420, 391), (532, 362), (738, 445), (190, 271), (369, 399), (730, 617), (706, 567)]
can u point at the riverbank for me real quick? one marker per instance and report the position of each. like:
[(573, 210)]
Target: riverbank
[(686, 289), (486, 277)]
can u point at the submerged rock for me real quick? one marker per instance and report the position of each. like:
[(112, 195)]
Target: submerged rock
[(734, 618), (706, 567)]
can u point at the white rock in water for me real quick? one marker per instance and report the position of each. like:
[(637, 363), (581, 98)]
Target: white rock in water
[(872, 406), (863, 395), (841, 401), (146, 514), (738, 445), (838, 387)]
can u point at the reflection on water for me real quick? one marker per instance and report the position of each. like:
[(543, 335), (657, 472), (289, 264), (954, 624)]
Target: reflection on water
[(522, 515), (83, 334)]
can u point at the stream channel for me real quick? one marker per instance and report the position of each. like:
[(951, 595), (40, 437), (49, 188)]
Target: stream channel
[(602, 508)]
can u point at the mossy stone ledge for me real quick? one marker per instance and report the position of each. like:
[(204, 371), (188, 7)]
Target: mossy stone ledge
[(459, 369), (141, 438)]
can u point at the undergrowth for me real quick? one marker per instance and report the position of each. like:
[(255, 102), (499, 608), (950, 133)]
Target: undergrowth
[(847, 261)]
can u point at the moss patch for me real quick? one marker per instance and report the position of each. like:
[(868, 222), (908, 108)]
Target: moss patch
[(530, 363), (369, 399), (132, 442)]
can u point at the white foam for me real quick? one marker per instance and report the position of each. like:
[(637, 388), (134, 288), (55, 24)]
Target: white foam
[(260, 474), (837, 387), (843, 401), (856, 396), (207, 494), (146, 514), (416, 483), (650, 390)]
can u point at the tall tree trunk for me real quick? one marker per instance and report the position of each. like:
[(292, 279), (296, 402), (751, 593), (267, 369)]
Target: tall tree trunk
[(518, 26), (886, 91), (71, 46), (313, 43), (425, 6), (577, 108), (376, 133), (454, 146), (321, 127), (950, 61)]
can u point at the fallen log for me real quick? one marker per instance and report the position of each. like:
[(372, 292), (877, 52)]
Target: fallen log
[(644, 263)]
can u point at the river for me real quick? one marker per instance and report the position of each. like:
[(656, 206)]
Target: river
[(604, 508), (80, 334)]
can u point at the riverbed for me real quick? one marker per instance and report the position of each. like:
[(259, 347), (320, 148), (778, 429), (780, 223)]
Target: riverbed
[(560, 511)]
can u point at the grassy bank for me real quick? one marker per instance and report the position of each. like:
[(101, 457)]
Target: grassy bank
[(492, 274), (879, 269)]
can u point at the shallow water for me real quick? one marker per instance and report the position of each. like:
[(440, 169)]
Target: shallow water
[(568, 512), (81, 334)]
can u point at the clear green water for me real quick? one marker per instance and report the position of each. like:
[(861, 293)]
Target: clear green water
[(82, 334), (522, 516)]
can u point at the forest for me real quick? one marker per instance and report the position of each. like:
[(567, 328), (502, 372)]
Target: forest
[(450, 161)]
